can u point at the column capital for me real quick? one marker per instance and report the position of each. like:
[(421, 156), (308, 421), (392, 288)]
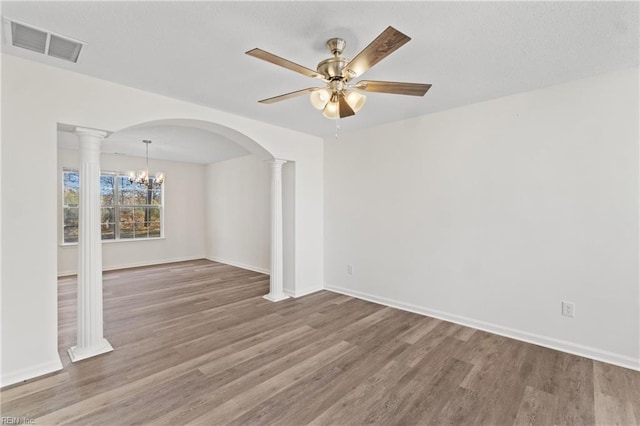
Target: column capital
[(85, 131), (276, 161)]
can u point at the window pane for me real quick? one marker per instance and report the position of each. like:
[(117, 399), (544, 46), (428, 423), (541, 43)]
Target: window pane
[(127, 197), (139, 214), (126, 222), (71, 216), (156, 196), (124, 184), (126, 214), (153, 214), (139, 218), (141, 229), (71, 196), (71, 188), (108, 231), (70, 234), (108, 215), (134, 196), (142, 195), (107, 184), (154, 229), (125, 189), (126, 230)]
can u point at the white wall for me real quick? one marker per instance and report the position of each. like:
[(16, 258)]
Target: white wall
[(492, 214), (184, 223), (238, 216), (238, 212), (35, 98)]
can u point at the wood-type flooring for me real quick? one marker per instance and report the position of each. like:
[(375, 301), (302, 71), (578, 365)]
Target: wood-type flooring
[(195, 343)]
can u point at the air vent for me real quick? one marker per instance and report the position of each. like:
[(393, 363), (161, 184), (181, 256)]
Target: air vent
[(45, 42), (28, 38), (64, 48)]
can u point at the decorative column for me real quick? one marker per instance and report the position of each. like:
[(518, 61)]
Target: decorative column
[(90, 341), (276, 292)]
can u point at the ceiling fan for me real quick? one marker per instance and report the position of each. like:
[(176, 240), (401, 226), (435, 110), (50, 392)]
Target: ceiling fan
[(340, 96)]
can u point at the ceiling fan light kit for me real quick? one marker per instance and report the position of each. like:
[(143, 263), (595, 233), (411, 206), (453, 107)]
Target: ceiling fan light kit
[(319, 98), (340, 97), (332, 108), (356, 100)]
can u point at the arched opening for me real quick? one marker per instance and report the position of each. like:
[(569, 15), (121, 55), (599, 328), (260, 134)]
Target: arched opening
[(277, 179), (285, 201)]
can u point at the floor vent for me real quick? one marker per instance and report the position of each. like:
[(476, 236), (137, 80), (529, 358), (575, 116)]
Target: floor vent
[(45, 42)]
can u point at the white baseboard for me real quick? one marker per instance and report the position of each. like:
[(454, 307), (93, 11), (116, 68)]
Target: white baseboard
[(31, 372), (536, 339), (136, 264), (302, 292), (239, 265)]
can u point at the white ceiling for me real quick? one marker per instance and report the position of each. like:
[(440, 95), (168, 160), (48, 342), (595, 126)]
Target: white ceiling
[(469, 51), (176, 143)]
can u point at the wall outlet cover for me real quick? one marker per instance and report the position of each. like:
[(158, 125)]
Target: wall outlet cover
[(568, 309)]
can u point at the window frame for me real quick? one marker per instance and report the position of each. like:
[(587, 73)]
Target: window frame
[(116, 208)]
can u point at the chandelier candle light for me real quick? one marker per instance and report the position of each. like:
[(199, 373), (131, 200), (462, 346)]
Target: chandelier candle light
[(142, 177)]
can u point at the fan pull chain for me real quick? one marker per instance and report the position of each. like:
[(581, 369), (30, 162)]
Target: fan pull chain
[(337, 128)]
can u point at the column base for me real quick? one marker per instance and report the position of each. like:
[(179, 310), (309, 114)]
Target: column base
[(78, 354), (275, 297)]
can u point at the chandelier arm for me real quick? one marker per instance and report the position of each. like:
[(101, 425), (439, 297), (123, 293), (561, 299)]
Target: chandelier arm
[(142, 177)]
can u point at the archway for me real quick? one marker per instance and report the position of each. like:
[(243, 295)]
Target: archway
[(89, 139), (277, 252)]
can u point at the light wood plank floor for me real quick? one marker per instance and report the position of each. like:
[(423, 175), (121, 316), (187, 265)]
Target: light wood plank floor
[(195, 343)]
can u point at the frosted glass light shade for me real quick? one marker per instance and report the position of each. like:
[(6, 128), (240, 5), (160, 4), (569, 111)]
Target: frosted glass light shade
[(319, 98), (356, 100), (331, 110)]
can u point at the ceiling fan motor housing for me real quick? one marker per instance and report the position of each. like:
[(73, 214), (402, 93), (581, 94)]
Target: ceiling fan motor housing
[(336, 46), (332, 68)]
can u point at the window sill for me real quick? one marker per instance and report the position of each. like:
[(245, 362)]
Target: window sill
[(124, 240)]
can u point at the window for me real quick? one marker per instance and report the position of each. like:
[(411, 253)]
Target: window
[(128, 210)]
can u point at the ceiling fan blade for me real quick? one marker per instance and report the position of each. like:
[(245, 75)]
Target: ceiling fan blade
[(344, 109), (384, 45), (277, 60), (413, 89), (288, 95)]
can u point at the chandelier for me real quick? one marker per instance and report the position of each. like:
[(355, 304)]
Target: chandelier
[(142, 176)]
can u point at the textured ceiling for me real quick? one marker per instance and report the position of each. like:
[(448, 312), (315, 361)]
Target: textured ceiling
[(469, 51)]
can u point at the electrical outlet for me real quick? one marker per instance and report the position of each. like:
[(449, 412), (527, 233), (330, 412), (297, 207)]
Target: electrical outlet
[(568, 309), (350, 269)]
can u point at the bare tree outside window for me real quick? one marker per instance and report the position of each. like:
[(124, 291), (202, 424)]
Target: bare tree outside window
[(128, 210)]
